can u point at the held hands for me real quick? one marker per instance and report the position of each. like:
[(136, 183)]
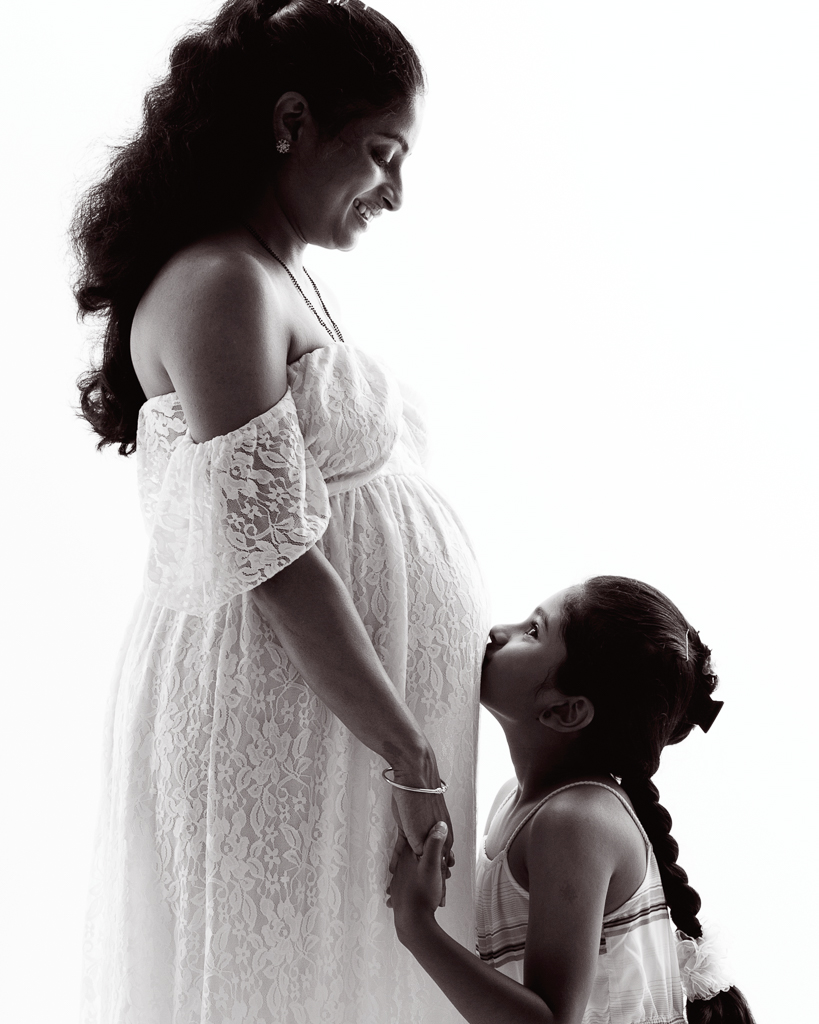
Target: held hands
[(417, 887), (416, 814)]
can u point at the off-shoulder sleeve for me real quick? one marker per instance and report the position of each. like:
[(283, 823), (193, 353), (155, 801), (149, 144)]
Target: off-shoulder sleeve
[(231, 512)]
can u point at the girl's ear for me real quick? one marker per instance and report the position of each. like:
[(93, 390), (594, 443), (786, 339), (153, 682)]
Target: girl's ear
[(567, 714)]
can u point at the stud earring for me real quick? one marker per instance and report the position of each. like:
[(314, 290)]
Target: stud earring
[(283, 146)]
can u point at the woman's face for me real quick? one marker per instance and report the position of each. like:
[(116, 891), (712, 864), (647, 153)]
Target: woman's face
[(331, 190)]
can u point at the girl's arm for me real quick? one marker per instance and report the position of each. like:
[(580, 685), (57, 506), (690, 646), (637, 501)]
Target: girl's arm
[(570, 864), (216, 326)]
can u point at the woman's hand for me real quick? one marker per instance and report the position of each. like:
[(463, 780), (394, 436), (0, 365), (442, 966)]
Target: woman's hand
[(417, 887)]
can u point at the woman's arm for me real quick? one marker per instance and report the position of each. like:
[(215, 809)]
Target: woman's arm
[(570, 865), (322, 634), (215, 324)]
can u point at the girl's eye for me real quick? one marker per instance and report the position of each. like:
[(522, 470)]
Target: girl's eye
[(380, 160), (532, 631)]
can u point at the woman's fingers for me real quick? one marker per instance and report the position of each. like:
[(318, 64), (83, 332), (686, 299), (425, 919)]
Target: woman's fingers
[(416, 813), (400, 844)]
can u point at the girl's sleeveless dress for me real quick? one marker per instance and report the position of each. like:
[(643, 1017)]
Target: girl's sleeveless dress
[(245, 834), (638, 976)]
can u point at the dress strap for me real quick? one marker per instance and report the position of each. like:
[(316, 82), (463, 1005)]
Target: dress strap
[(571, 785)]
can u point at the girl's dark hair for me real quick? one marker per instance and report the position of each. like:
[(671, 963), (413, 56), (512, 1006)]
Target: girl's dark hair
[(204, 151), (643, 666)]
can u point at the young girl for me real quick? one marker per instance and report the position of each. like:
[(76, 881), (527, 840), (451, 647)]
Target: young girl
[(578, 876)]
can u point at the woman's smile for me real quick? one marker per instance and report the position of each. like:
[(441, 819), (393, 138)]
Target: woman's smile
[(366, 210)]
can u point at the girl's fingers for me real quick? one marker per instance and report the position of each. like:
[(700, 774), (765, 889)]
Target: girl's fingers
[(433, 854), (429, 871)]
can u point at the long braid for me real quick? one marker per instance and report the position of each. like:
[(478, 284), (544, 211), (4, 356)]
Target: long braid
[(683, 901)]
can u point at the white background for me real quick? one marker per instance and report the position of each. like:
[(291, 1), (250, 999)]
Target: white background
[(603, 283)]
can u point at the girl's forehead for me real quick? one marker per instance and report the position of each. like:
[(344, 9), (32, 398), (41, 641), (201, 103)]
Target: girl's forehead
[(553, 606)]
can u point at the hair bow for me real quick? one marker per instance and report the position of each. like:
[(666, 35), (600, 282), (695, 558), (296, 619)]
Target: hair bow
[(703, 710), (703, 970)]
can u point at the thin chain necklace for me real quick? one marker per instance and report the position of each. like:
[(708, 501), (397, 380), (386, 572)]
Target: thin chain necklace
[(279, 260)]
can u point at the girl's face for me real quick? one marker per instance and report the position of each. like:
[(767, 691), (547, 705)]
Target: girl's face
[(520, 658), (332, 189)]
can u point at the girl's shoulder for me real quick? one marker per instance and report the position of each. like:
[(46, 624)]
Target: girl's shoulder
[(513, 817), (588, 813), (593, 806)]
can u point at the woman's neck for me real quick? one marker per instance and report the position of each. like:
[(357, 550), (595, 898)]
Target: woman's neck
[(270, 222)]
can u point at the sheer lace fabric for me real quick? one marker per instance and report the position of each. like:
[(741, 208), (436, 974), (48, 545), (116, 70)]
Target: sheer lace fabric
[(245, 833)]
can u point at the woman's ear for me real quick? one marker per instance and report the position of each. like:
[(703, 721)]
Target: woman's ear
[(566, 714), (289, 116)]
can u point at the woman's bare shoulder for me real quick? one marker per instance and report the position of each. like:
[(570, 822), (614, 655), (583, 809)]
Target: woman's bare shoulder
[(214, 276), (211, 325)]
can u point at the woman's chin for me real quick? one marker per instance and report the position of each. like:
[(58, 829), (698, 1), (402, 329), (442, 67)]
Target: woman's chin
[(343, 240)]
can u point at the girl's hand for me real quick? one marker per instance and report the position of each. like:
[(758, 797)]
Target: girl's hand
[(417, 886)]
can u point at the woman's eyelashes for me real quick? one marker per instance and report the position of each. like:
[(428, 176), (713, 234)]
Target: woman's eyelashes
[(385, 157), (533, 631)]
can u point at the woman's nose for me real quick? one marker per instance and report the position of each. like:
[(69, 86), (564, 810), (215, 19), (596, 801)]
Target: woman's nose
[(393, 196)]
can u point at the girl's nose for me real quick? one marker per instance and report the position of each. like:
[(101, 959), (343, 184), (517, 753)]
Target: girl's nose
[(499, 635)]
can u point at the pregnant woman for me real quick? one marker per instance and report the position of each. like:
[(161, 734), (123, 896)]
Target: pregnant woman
[(312, 611)]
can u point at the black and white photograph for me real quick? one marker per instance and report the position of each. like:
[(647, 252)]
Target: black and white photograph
[(411, 511)]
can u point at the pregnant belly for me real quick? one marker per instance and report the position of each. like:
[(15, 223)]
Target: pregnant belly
[(412, 574)]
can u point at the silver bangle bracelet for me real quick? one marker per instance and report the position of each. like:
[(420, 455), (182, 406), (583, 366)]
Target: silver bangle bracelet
[(412, 789)]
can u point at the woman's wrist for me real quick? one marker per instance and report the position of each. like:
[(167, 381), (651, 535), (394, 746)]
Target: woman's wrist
[(438, 790), (416, 767)]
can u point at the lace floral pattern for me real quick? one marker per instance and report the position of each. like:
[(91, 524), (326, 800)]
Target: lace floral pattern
[(225, 515), (245, 834)]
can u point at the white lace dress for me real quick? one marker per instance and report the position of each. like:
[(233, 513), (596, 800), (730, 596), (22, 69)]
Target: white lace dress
[(245, 833)]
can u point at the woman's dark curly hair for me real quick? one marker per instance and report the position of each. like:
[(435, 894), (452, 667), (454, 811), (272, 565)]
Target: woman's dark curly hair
[(204, 151), (644, 668)]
